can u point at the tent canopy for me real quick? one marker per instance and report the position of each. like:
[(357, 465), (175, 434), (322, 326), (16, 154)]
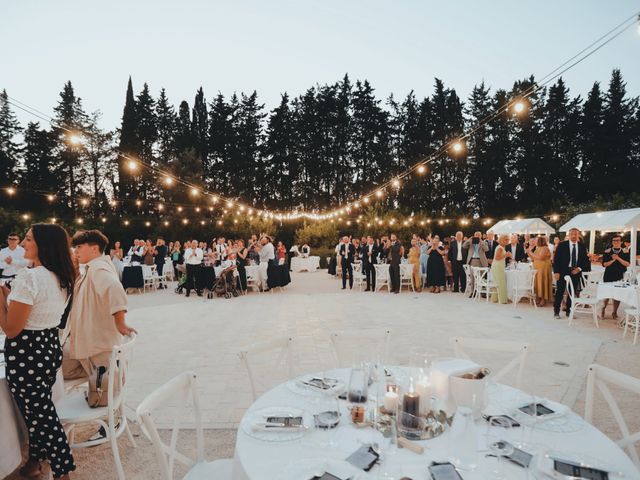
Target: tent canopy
[(612, 221), (522, 226)]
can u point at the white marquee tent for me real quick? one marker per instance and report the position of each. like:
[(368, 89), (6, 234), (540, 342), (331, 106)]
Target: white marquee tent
[(613, 221), (534, 226)]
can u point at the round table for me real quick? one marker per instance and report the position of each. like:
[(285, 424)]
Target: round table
[(310, 264), (257, 459), (132, 276), (626, 294), (521, 277)]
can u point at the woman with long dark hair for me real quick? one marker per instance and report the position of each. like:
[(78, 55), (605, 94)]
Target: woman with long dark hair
[(36, 302)]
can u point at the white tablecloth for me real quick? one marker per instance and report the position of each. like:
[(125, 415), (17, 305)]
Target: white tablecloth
[(258, 459), (310, 264), (626, 294), (258, 273), (521, 276)]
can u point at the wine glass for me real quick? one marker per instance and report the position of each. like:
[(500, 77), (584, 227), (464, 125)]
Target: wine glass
[(358, 385), (498, 444)]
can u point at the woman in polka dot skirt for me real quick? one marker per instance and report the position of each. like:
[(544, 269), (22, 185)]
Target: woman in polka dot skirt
[(36, 302)]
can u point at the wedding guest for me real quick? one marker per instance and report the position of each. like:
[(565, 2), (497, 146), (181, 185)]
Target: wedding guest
[(435, 265), (498, 272), (424, 258), (147, 255), (540, 255), (396, 252), (346, 254), (241, 263), (282, 253), (193, 258), (33, 355), (369, 261), (305, 250), (571, 259), (448, 270), (221, 250), (176, 258), (457, 258), (133, 251), (117, 254), (615, 262), (515, 251), (267, 256), (159, 256), (491, 246), (414, 259), (12, 257)]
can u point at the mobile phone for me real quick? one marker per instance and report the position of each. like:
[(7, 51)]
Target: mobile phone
[(540, 410), (444, 471), (513, 423), (573, 470), (286, 421), (365, 458), (520, 457)]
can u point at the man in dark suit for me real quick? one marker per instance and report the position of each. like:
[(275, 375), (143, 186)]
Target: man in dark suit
[(395, 255), (347, 252), (457, 257), (570, 259), (369, 255), (492, 244), (515, 250)]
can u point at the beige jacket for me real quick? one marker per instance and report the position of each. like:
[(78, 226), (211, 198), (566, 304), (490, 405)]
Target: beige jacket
[(97, 296)]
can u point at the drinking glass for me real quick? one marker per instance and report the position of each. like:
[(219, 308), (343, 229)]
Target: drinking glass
[(499, 445), (358, 385)]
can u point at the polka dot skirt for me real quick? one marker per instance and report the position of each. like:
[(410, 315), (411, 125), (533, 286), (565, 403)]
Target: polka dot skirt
[(33, 358)]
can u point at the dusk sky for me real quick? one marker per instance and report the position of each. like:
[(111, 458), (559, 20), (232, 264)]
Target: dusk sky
[(287, 45)]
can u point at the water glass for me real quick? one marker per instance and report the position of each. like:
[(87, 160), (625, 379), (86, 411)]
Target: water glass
[(358, 385), (499, 445)]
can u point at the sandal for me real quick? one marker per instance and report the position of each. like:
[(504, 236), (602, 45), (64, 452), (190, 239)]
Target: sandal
[(31, 470)]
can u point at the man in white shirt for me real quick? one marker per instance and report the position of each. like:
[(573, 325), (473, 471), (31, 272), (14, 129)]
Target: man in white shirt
[(193, 259), (267, 254), (457, 257), (12, 257)]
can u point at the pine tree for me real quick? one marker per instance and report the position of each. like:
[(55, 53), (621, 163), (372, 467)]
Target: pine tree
[(200, 129), (220, 138), (129, 146), (100, 164), (147, 134), (9, 148), (500, 166), (40, 174), (166, 123), (249, 180), (594, 155), (483, 174)]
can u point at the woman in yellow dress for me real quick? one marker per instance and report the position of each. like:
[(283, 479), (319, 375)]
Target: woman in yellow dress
[(541, 255), (498, 273), (414, 259)]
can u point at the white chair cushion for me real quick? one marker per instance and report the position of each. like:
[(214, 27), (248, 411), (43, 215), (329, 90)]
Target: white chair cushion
[(218, 470), (73, 408)]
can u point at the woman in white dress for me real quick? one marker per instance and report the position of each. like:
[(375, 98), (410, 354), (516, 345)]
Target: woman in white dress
[(117, 254)]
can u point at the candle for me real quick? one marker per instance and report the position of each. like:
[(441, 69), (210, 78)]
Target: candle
[(390, 401), (411, 409), (423, 389)]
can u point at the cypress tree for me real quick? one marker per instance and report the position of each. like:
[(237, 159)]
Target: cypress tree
[(129, 145), (9, 148)]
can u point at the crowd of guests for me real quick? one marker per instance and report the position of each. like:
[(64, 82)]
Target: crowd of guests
[(439, 263), (190, 256)]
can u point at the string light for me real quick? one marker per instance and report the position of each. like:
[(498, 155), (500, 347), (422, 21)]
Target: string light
[(75, 139), (457, 147), (422, 169), (126, 223), (26, 216), (54, 219), (168, 181), (219, 222), (379, 193), (396, 183), (103, 220), (202, 222), (84, 202), (229, 204), (51, 198), (197, 209), (160, 207), (138, 203), (79, 221), (11, 191), (185, 221), (133, 165), (166, 223), (113, 203), (180, 209), (194, 192), (147, 224)]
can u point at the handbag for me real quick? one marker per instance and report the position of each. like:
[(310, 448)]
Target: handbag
[(97, 395)]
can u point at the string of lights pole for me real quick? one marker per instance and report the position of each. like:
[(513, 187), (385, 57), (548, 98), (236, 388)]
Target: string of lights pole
[(455, 147)]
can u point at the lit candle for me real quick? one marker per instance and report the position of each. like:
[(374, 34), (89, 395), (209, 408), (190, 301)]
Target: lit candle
[(390, 401), (423, 389), (411, 409)]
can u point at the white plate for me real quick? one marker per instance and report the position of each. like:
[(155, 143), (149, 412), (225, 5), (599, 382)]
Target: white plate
[(307, 468), (545, 464), (297, 386), (249, 423)]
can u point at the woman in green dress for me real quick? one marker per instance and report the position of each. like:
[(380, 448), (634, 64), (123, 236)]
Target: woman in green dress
[(498, 271)]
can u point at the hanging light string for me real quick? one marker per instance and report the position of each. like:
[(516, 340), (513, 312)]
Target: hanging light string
[(454, 145)]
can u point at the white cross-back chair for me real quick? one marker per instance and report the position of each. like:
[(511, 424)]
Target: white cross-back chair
[(581, 304), (589, 282), (406, 277), (346, 343), (524, 287), (469, 288), (74, 410), (382, 276), (253, 281), (633, 313), (167, 270), (150, 277), (359, 278), (180, 390), (599, 376), (461, 346), (266, 362), (483, 283)]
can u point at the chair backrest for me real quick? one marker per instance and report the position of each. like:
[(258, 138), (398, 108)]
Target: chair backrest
[(382, 271), (147, 271), (270, 356), (179, 390), (481, 274), (570, 290), (120, 361), (346, 343), (461, 345), (599, 376)]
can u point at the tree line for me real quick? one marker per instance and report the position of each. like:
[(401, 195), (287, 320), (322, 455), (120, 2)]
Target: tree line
[(329, 145)]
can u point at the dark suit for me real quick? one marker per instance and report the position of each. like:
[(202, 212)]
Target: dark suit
[(347, 252), (492, 248), (368, 264), (395, 253), (459, 277), (519, 254), (563, 263)]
